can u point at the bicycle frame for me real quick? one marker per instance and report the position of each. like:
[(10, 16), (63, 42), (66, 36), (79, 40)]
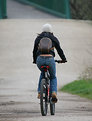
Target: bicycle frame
[(47, 78), (46, 97)]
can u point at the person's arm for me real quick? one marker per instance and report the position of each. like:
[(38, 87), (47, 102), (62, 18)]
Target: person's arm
[(35, 50), (59, 50)]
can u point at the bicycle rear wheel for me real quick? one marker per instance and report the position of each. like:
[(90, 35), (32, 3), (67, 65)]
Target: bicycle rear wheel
[(43, 98)]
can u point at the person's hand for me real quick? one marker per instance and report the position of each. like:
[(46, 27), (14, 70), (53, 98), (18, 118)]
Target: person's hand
[(63, 61)]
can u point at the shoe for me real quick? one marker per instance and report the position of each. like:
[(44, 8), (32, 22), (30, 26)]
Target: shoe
[(38, 96), (54, 97)]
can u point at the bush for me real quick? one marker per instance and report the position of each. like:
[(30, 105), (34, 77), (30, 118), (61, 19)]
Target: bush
[(81, 9)]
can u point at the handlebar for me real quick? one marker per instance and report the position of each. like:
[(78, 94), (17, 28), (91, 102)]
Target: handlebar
[(60, 61)]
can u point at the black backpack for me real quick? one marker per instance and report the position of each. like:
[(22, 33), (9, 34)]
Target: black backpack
[(45, 45)]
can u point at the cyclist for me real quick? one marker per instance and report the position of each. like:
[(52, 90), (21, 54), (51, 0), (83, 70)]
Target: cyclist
[(40, 58)]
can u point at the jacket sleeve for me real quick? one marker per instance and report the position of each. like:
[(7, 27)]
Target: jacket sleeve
[(35, 50), (59, 50)]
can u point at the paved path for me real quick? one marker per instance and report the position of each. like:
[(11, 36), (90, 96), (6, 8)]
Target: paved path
[(21, 11), (19, 77)]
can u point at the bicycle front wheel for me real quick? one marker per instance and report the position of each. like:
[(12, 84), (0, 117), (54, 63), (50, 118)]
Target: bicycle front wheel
[(43, 98), (52, 108)]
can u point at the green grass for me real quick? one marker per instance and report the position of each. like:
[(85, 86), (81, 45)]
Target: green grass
[(82, 88)]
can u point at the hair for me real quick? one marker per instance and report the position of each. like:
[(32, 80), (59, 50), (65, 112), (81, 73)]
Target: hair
[(47, 28)]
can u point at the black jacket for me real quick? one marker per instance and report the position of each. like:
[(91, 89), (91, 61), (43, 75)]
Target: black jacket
[(55, 43)]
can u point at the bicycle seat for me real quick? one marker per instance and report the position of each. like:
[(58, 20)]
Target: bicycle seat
[(45, 68)]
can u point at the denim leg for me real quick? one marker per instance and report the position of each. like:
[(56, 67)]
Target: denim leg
[(40, 61), (52, 70), (41, 76)]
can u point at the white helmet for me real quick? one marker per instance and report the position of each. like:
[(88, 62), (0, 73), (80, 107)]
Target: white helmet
[(47, 28)]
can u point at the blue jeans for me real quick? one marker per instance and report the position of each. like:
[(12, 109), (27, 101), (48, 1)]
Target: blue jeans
[(42, 60)]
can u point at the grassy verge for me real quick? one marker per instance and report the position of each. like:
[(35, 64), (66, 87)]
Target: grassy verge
[(82, 88)]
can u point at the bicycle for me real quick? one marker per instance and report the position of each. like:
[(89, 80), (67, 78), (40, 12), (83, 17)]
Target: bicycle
[(45, 95)]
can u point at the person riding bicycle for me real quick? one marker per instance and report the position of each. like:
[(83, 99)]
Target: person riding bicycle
[(44, 58)]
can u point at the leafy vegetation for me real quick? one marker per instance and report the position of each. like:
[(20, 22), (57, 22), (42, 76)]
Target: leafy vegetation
[(81, 9), (81, 87)]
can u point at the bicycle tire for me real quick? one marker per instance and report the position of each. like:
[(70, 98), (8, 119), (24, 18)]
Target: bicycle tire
[(43, 98), (52, 108)]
